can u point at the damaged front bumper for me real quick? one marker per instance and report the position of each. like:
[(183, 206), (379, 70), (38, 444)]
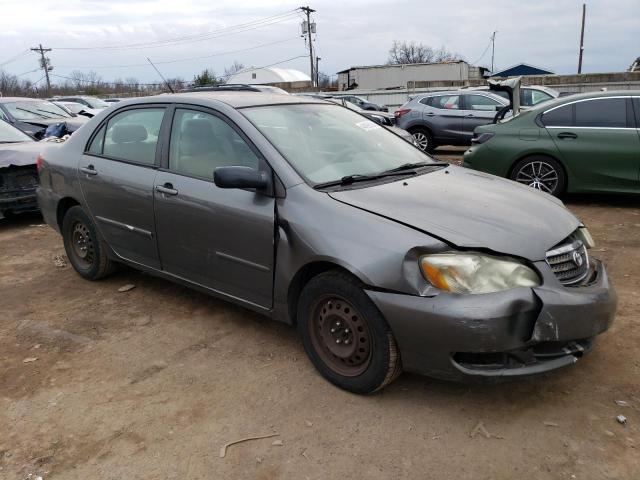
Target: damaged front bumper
[(516, 332), (18, 189)]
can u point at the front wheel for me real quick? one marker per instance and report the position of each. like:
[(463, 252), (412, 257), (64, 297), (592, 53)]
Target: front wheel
[(540, 172), (345, 336), (84, 248)]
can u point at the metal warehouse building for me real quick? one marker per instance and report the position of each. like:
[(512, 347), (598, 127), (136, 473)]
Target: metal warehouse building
[(403, 76)]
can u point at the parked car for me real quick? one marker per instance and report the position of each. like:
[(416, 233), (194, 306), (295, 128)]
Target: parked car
[(364, 104), (236, 87), (447, 118), (383, 258), (581, 143), (18, 174), (76, 108), (33, 116), (530, 95), (86, 100)]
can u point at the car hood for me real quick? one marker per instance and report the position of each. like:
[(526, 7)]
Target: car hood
[(470, 209), (19, 154)]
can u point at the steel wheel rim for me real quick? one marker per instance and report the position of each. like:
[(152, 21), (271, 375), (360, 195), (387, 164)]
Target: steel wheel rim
[(539, 175), (340, 336), (421, 140), (82, 244)]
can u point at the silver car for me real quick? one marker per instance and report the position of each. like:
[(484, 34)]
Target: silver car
[(447, 118), (383, 258)]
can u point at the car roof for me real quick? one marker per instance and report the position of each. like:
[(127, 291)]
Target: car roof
[(235, 99), (582, 96), (459, 92)]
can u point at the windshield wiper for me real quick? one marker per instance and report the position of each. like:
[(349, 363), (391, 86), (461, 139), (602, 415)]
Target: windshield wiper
[(52, 113), (31, 111), (349, 179), (411, 166)]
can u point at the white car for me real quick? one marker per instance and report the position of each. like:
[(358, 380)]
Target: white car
[(78, 108)]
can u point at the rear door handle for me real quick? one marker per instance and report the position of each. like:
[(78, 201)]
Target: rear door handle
[(430, 114), (166, 189), (470, 115), (89, 170), (567, 136)]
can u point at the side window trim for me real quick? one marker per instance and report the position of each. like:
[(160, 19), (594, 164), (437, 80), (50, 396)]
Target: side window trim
[(573, 113), (263, 165), (105, 123)]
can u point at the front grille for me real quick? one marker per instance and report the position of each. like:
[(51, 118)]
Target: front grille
[(569, 261)]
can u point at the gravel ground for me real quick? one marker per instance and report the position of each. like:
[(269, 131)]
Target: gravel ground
[(151, 383)]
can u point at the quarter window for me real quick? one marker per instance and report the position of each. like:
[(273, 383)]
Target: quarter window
[(559, 117), (447, 102), (201, 142), (97, 142), (132, 135), (482, 103), (602, 112)]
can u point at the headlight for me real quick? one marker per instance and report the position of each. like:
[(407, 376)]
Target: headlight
[(476, 273), (587, 240)]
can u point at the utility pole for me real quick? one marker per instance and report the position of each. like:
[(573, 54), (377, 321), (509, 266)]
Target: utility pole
[(493, 48), (317, 72), (45, 64), (584, 13), (308, 31)]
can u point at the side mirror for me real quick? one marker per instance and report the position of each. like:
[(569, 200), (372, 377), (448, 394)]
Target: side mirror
[(240, 177)]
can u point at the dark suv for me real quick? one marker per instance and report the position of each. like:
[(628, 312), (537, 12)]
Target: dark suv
[(447, 118)]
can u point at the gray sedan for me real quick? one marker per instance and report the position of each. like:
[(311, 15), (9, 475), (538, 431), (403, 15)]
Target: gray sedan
[(305, 211)]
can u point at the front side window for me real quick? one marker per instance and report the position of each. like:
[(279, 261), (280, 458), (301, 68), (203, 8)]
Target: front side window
[(481, 103), (602, 112), (324, 143), (559, 117), (201, 142), (132, 135), (447, 102)]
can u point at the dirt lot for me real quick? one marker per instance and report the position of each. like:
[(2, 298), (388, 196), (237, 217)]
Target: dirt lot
[(149, 384)]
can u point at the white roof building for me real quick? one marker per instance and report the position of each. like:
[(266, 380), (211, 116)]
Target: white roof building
[(257, 76)]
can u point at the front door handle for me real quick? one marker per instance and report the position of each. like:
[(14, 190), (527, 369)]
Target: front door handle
[(567, 136), (166, 189), (470, 115), (89, 170)]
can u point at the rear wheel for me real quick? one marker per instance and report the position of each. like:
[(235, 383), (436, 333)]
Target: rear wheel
[(423, 139), (540, 172), (345, 336), (86, 251)]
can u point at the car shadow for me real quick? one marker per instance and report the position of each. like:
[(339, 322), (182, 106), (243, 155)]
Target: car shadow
[(603, 199), (22, 220)]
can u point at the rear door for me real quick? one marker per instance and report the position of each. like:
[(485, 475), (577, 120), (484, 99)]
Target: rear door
[(478, 110), (116, 175), (598, 141), (222, 239), (443, 113)]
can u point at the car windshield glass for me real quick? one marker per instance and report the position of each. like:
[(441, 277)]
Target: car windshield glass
[(95, 102), (325, 143), (35, 110), (9, 134)]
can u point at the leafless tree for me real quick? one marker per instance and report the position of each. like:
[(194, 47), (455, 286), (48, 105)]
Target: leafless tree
[(233, 69), (404, 52)]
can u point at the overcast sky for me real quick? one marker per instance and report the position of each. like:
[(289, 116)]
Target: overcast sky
[(544, 33)]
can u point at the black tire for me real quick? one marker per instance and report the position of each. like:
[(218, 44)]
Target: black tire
[(542, 173), (423, 139), (382, 364), (78, 231)]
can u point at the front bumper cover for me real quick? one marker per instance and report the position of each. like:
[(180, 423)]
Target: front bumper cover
[(433, 332)]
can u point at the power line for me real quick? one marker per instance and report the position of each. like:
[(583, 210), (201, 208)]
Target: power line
[(185, 59), (13, 59), (231, 30), (484, 52)]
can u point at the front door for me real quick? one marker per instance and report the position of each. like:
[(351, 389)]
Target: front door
[(222, 239), (478, 110), (444, 115), (117, 175), (598, 142)]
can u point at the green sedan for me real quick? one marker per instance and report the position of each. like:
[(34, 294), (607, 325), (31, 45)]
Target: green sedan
[(582, 143)]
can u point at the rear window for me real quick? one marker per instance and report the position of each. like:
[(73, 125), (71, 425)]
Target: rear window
[(559, 117)]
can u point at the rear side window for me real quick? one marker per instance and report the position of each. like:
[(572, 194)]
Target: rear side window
[(559, 117), (481, 103), (602, 112), (98, 142), (133, 135), (448, 102)]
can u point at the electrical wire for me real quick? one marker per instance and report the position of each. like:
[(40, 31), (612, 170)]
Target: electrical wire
[(24, 73), (231, 30), (13, 59), (483, 53)]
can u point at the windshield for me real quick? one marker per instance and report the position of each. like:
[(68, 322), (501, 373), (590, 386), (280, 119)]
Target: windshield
[(35, 110), (74, 107), (325, 143), (95, 102), (10, 134)]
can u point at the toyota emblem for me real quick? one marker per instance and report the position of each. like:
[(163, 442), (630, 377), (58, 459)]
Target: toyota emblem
[(577, 259)]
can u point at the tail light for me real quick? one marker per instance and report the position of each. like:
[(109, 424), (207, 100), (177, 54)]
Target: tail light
[(400, 112), (39, 162)]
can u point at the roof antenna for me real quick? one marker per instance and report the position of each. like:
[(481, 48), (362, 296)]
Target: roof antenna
[(164, 79)]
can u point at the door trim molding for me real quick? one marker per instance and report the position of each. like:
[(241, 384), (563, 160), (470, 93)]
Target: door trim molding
[(124, 226), (242, 261)]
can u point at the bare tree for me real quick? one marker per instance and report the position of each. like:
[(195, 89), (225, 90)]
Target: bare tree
[(404, 52), (233, 69)]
